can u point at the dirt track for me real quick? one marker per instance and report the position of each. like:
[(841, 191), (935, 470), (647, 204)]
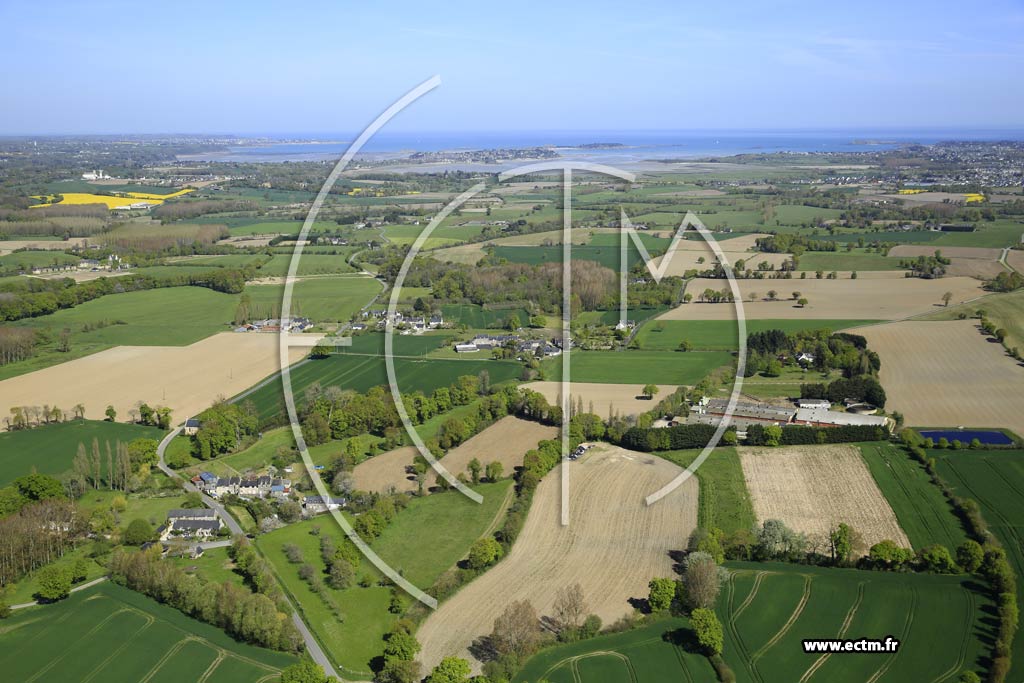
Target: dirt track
[(863, 298), (187, 379), (814, 488), (621, 398), (613, 546), (947, 374)]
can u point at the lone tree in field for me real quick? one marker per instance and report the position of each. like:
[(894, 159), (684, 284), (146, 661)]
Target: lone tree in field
[(474, 470), (702, 580), (494, 470), (649, 391), (450, 670), (660, 594), (517, 630), (320, 351), (772, 294), (844, 543), (802, 302), (570, 608), (303, 672), (54, 583), (946, 298), (111, 414), (708, 629), (138, 532), (483, 553), (685, 345)]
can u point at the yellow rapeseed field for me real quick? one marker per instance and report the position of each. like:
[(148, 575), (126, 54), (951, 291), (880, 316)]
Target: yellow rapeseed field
[(111, 202), (973, 197)]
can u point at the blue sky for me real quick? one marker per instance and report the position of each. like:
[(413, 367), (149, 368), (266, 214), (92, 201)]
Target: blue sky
[(112, 67)]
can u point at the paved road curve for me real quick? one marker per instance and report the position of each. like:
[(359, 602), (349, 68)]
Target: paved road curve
[(312, 646)]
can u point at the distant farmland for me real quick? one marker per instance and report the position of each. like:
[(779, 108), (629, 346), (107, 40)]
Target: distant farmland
[(360, 373), (638, 367), (109, 633)]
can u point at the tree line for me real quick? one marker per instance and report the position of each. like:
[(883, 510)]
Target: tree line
[(252, 617)]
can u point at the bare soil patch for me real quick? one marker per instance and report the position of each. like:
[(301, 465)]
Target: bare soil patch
[(814, 488), (506, 441), (387, 471), (948, 374), (187, 379), (864, 298), (1015, 257), (688, 259), (613, 546), (8, 246), (625, 399)]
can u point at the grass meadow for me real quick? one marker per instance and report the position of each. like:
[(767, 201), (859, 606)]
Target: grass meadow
[(424, 541), (50, 449), (175, 316)]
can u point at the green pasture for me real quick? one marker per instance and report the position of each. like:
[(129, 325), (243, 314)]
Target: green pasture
[(334, 299)]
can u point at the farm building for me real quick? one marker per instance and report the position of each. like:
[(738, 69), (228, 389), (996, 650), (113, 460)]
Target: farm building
[(196, 523), (745, 414), (314, 505), (823, 417), (191, 427)]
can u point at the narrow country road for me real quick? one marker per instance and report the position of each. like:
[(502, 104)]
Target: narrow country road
[(87, 584), (312, 646)]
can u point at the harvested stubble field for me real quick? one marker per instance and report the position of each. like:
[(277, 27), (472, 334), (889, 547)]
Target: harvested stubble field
[(613, 546), (186, 379), (1015, 257), (880, 299), (978, 262), (387, 471), (687, 259), (624, 399), (814, 488), (948, 374), (506, 441)]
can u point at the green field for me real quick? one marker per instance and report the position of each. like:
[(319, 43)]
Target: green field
[(50, 449), (767, 609), (923, 512), (479, 318), (334, 299), (173, 316), (362, 372), (412, 543), (109, 633), (995, 479), (309, 264), (706, 335), (638, 367), (858, 259), (43, 258), (645, 654), (607, 256), (1004, 232), (724, 499)]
